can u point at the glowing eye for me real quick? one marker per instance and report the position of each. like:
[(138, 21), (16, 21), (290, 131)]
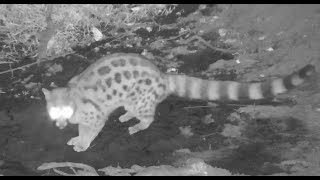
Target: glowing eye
[(54, 113), (67, 112)]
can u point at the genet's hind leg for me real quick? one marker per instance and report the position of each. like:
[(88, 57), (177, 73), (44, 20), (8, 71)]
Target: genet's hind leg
[(126, 117), (146, 116), (87, 133), (144, 123), (143, 107)]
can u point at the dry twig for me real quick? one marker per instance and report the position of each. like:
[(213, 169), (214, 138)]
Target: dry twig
[(28, 65), (196, 37), (86, 170)]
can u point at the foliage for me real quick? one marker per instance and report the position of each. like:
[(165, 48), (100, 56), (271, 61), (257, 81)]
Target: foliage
[(74, 23)]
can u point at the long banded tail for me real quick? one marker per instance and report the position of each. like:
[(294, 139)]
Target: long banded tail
[(195, 88)]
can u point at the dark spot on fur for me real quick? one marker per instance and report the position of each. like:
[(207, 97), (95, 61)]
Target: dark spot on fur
[(108, 82), (148, 81), (122, 62), (125, 87), (85, 101), (109, 97), (135, 74), (127, 75), (115, 63), (120, 94), (117, 78), (114, 92), (132, 94), (104, 70), (155, 95), (98, 116), (138, 90), (162, 86), (140, 81), (133, 61)]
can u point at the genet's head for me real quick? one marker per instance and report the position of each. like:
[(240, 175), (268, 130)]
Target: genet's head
[(60, 106)]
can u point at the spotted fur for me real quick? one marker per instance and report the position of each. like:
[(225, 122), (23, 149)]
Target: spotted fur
[(132, 81)]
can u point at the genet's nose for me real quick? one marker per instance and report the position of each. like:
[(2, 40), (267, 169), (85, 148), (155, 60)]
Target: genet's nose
[(61, 124)]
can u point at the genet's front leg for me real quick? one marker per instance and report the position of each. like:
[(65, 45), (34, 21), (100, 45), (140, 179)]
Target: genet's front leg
[(87, 133), (126, 117)]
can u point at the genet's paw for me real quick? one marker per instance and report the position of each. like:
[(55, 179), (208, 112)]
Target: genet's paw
[(73, 141), (78, 145), (133, 130)]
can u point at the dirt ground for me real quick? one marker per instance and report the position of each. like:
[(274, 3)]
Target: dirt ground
[(278, 137)]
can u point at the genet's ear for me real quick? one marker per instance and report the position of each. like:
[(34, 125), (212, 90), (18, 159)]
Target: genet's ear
[(46, 93)]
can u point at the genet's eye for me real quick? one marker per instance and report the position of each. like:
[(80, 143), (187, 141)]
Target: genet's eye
[(54, 113), (67, 112)]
